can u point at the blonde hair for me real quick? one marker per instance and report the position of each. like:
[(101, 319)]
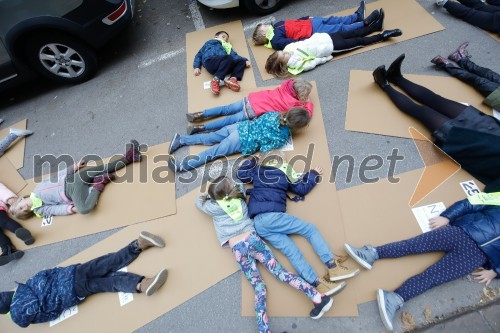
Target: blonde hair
[(19, 213), (276, 67), (223, 188), (302, 89), (259, 35), (296, 118)]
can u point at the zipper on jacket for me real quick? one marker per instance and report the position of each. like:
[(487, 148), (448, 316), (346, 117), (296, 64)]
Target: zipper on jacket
[(491, 241)]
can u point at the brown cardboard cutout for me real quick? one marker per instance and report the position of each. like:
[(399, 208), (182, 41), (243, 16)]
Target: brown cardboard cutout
[(120, 204), (10, 177), (407, 15), (370, 110), (16, 151)]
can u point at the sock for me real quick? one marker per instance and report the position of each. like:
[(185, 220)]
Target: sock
[(331, 264), (317, 298), (315, 283)]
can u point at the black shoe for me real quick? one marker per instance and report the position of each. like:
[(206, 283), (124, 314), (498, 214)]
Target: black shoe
[(195, 117), (372, 18), (9, 254), (322, 307), (394, 70), (379, 76), (361, 11), (175, 144), (195, 129), (378, 24), (391, 33), (25, 235), (440, 61)]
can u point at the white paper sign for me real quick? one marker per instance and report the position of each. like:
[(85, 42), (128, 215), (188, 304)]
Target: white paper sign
[(46, 221), (288, 146), (424, 213), (206, 84), (470, 188), (70, 312), (125, 297)]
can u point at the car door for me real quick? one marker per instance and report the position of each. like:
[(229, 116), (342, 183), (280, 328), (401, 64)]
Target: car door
[(7, 70)]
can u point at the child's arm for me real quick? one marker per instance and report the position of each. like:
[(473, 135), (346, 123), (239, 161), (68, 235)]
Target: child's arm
[(315, 62), (55, 210), (459, 209), (246, 170), (238, 57), (306, 183), (197, 62), (200, 202)]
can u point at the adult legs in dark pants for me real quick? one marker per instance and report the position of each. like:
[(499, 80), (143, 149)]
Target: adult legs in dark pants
[(479, 5), (352, 39), (9, 253), (482, 79), (487, 20)]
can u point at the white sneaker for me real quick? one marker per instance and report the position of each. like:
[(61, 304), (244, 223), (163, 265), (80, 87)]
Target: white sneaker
[(20, 132), (441, 3)]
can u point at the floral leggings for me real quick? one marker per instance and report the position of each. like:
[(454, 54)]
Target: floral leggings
[(247, 252)]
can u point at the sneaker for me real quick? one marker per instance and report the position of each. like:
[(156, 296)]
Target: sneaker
[(20, 132), (133, 154), (388, 303), (194, 129), (172, 165), (460, 53), (174, 144), (341, 272), (195, 117), (232, 83), (100, 182), (9, 254), (147, 240), (214, 86), (25, 235), (441, 3), (440, 61), (329, 288), (322, 307), (365, 256), (151, 285), (361, 11)]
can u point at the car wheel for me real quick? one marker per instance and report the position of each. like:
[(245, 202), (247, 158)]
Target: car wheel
[(61, 58), (263, 7)]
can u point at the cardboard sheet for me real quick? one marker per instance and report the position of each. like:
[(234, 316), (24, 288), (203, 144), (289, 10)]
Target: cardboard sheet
[(188, 234), (16, 151), (494, 36), (321, 208), (120, 204), (370, 110), (200, 98), (10, 177), (419, 23)]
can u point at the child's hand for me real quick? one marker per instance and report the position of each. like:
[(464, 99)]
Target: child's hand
[(318, 169), (438, 222), (247, 64), (197, 71), (484, 275)]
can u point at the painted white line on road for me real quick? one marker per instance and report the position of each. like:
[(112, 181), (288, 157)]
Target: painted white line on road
[(196, 15), (161, 57), (265, 20)]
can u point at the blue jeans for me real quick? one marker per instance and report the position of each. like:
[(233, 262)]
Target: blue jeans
[(276, 228), (228, 140), (235, 111), (335, 24), (100, 275)]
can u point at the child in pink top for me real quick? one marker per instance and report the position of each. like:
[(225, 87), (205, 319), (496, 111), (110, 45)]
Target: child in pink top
[(292, 93)]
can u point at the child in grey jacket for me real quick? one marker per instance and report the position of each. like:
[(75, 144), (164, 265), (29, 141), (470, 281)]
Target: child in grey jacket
[(225, 202)]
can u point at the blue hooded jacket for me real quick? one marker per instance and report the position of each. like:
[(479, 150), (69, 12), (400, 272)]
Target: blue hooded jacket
[(482, 224), (213, 48)]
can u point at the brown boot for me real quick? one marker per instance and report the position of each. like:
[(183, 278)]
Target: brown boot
[(328, 287), (460, 53), (147, 240), (195, 117), (341, 272), (150, 285), (440, 61)]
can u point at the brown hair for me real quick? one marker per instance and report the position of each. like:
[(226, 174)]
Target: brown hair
[(296, 118), (20, 214), (277, 68), (221, 32), (259, 35), (223, 188), (302, 89)]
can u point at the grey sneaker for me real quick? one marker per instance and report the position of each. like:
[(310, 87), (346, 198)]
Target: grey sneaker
[(174, 144), (365, 256), (388, 303)]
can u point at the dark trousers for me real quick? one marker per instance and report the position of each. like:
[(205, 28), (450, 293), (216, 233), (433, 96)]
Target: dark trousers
[(100, 275), (223, 65), (482, 79), (6, 223), (347, 40), (483, 16)]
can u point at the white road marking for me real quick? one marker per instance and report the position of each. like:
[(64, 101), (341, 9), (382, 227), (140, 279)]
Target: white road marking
[(196, 15), (161, 57)]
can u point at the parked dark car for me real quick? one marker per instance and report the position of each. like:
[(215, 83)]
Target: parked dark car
[(57, 39)]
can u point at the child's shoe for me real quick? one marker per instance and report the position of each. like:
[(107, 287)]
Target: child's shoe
[(9, 253), (195, 117), (173, 165), (133, 154), (20, 133), (322, 307), (100, 182), (151, 285), (365, 256), (214, 86), (232, 83), (25, 235), (341, 272), (388, 303), (195, 129), (147, 240), (372, 18), (329, 288), (460, 53), (174, 144), (361, 11)]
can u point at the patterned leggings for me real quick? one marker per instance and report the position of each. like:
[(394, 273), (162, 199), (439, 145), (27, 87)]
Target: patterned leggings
[(462, 256), (250, 250), (5, 142)]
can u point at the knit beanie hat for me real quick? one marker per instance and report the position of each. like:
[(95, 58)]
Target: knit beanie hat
[(5, 300)]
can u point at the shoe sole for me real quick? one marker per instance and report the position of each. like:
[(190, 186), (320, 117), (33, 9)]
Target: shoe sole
[(159, 280), (154, 239), (4, 260), (170, 148), (343, 277), (325, 309), (25, 236), (336, 290), (381, 309), (359, 260), (233, 87)]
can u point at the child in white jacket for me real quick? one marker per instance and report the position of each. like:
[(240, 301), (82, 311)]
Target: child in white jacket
[(304, 55)]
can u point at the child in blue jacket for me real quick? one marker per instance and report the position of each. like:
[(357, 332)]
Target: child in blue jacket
[(468, 234), (219, 58)]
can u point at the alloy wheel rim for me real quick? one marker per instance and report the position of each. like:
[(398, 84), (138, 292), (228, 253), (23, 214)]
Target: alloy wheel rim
[(61, 60)]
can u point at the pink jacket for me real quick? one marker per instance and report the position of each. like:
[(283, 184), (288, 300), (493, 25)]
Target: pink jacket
[(5, 194), (280, 99)]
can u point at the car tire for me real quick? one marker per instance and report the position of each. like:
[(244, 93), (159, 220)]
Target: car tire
[(262, 7), (60, 57)]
